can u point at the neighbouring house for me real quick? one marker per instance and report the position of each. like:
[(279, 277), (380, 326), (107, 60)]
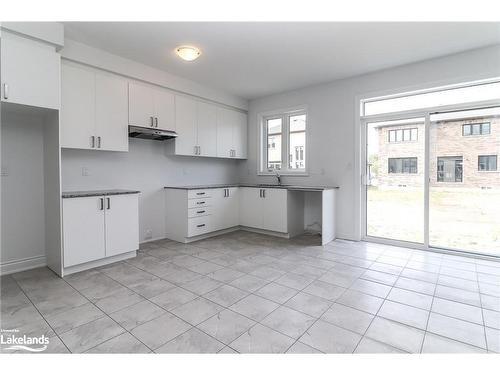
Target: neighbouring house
[(463, 153)]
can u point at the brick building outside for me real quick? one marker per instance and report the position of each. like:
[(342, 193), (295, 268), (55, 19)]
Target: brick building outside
[(463, 154)]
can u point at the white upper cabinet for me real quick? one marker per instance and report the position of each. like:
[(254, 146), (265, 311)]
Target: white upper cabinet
[(151, 107), (30, 72), (207, 129), (93, 109), (231, 134), (240, 136), (185, 126), (164, 109), (77, 107), (111, 112)]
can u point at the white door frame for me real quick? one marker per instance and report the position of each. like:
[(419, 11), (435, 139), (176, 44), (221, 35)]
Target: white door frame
[(421, 113)]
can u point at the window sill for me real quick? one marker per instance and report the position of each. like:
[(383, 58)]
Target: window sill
[(288, 174)]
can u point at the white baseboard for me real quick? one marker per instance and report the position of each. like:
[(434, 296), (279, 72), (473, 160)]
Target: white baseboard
[(98, 263), (19, 265)]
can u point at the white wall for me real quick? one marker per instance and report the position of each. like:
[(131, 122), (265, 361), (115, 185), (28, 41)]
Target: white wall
[(333, 115), (146, 167), (22, 193)]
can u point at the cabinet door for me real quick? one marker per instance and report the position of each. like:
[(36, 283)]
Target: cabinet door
[(164, 102), (274, 210), (122, 224), (185, 124), (111, 112), (77, 107), (251, 207), (141, 109), (240, 135), (218, 209), (233, 207), (83, 230), (30, 72), (207, 129), (224, 133)]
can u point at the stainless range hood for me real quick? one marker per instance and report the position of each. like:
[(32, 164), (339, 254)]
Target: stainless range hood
[(150, 133)]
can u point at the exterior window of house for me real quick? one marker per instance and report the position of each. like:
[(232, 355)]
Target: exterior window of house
[(487, 162), (449, 169), (476, 129), (402, 165), (403, 135), (286, 142)]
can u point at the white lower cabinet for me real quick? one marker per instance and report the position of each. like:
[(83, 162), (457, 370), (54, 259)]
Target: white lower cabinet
[(264, 208), (191, 213), (225, 208), (98, 227)]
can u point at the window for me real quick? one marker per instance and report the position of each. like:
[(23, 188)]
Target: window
[(402, 165), (437, 97), (476, 129), (403, 135), (487, 163), (285, 137), (449, 169)]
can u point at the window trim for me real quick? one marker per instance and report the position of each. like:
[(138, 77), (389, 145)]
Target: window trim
[(284, 114), (480, 129), (487, 170), (410, 158)]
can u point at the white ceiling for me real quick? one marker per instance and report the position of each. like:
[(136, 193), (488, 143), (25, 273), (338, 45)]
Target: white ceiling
[(257, 59)]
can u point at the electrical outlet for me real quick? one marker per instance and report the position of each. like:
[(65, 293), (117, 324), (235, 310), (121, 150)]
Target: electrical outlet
[(149, 234), (85, 171)]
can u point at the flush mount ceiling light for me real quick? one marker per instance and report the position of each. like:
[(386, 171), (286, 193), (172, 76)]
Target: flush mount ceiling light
[(188, 53)]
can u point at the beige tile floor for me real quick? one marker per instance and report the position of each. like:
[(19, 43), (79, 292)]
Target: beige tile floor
[(250, 293)]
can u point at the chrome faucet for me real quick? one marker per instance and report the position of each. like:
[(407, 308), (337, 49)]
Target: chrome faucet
[(278, 176)]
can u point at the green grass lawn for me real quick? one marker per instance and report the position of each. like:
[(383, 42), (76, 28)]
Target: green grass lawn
[(459, 219)]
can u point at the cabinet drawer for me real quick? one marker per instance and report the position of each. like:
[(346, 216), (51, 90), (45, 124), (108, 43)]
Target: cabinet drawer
[(194, 194), (200, 202), (199, 225), (199, 211)]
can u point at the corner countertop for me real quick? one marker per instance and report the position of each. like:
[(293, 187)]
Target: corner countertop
[(262, 186), (96, 193)]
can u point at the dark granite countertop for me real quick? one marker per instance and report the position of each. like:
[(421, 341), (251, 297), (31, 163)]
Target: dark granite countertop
[(95, 193), (262, 186)]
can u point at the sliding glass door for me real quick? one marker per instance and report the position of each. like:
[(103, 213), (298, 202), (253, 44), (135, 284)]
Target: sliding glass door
[(434, 179), (464, 181), (395, 168)]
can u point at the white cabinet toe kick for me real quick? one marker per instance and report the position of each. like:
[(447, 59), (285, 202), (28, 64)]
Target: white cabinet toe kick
[(194, 214)]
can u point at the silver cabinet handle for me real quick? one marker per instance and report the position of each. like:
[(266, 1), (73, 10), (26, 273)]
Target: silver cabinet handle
[(260, 193), (200, 202), (202, 193), (5, 91), (263, 193), (200, 225), (102, 203), (109, 202), (200, 212), (99, 142), (152, 121), (92, 141), (156, 121)]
